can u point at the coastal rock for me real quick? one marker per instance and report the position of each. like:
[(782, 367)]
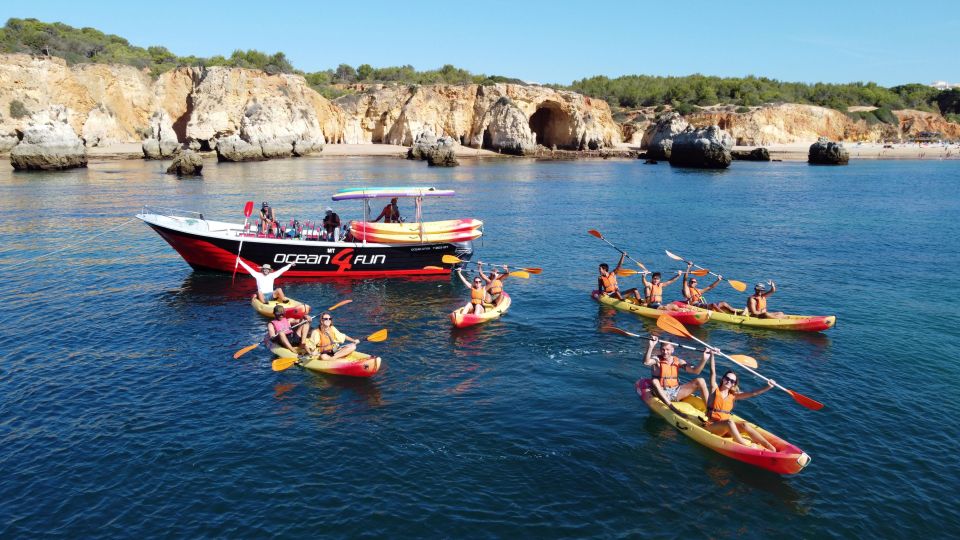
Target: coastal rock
[(162, 140), (706, 148), (757, 154), (658, 138), (234, 148), (442, 157), (826, 152), (49, 143), (7, 142), (186, 163), (506, 129), (436, 151)]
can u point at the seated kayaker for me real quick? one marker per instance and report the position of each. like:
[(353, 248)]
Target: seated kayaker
[(607, 281), (288, 333), (757, 302), (665, 374), (720, 405), (390, 213), (328, 342), (265, 290), (694, 296), (653, 289), (494, 283), (478, 295)]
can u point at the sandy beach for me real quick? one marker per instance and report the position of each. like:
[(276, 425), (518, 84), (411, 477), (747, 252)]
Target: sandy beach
[(799, 151)]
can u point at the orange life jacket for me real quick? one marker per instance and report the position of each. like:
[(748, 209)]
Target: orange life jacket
[(477, 296), (609, 282), (326, 344), (496, 286), (720, 407), (696, 295), (654, 293), (669, 373), (761, 304)]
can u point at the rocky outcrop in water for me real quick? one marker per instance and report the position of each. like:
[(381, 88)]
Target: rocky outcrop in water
[(438, 152), (49, 143), (757, 154), (161, 142), (826, 152), (658, 139), (186, 163), (705, 148)]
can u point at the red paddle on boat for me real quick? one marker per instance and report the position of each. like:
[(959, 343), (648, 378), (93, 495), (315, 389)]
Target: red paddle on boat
[(596, 233)]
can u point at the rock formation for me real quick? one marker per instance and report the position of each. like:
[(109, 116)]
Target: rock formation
[(658, 139), (757, 154), (49, 143), (706, 148), (186, 163), (436, 151), (161, 141), (825, 152), (506, 129)]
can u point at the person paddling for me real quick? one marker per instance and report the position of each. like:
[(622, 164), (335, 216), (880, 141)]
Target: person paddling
[(694, 296), (265, 290), (478, 295), (494, 283), (665, 374), (653, 289), (328, 342), (757, 302), (288, 333), (720, 405), (390, 212), (607, 280)]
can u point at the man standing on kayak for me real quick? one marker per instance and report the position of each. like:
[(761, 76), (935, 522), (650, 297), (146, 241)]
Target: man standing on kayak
[(694, 296), (607, 281), (665, 374), (757, 302), (287, 333), (265, 290)]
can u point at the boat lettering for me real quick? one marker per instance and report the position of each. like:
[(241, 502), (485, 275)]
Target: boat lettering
[(370, 259), (300, 258)]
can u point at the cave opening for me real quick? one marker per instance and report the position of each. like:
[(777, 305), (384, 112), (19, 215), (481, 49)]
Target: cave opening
[(553, 127)]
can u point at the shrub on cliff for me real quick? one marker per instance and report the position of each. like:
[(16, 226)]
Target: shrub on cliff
[(18, 110)]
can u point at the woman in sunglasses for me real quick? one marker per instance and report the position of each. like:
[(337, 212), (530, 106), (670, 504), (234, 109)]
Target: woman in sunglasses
[(720, 405), (478, 294), (329, 342)]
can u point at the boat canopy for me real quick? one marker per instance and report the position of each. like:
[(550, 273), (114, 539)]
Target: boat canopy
[(350, 194)]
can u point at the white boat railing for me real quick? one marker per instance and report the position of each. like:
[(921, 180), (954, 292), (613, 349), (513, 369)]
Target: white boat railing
[(176, 214)]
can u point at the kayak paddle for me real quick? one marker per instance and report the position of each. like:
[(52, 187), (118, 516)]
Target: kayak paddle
[(247, 210), (594, 232), (675, 327), (741, 359), (738, 285), (249, 348), (452, 259), (281, 364)]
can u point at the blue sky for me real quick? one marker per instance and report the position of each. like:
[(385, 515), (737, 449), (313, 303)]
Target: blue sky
[(887, 42)]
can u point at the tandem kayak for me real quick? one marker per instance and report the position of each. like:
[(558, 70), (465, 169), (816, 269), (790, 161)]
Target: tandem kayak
[(292, 308), (356, 364), (796, 323), (491, 312), (788, 459), (686, 316)]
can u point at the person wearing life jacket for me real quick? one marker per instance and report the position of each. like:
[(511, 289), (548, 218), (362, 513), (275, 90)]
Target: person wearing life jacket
[(268, 220), (478, 295), (266, 292), (653, 289), (390, 213), (694, 295), (757, 302), (329, 343), (287, 333), (494, 283), (665, 373), (720, 407), (607, 280)]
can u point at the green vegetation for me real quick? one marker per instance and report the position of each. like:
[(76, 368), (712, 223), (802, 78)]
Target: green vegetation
[(18, 110)]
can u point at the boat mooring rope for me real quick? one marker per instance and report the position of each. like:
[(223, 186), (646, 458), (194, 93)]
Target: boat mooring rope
[(69, 246)]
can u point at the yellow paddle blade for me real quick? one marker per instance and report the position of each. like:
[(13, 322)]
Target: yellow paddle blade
[(700, 272), (245, 350), (738, 285), (674, 256), (624, 272), (451, 259), (281, 364), (433, 268), (673, 326), (594, 232), (743, 360), (520, 274), (339, 304), (379, 335)]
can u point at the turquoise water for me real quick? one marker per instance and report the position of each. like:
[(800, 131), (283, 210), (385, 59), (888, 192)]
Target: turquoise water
[(122, 412)]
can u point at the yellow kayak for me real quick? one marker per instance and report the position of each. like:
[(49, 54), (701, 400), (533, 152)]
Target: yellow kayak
[(429, 227), (293, 308), (490, 313), (688, 317), (796, 323), (355, 364)]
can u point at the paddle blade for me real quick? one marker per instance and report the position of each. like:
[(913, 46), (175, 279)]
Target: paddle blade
[(673, 326), (533, 270), (811, 404), (281, 364), (339, 304), (624, 272), (245, 350), (615, 330), (594, 232), (451, 259), (744, 360), (700, 272), (738, 285), (674, 256), (379, 335), (248, 209), (520, 274)]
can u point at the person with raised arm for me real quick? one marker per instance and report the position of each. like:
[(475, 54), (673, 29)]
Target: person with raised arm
[(694, 296), (478, 294), (265, 278), (720, 406), (665, 374)]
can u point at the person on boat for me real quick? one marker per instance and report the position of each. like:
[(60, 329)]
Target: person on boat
[(288, 333), (665, 373), (390, 212), (757, 302), (720, 405), (478, 294), (494, 283), (265, 278), (653, 289), (268, 220), (331, 224), (328, 342), (607, 280), (694, 296)]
